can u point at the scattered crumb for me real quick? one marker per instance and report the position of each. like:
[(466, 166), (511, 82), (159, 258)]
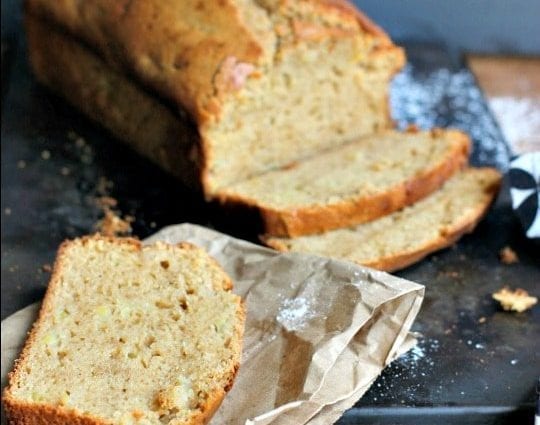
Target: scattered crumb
[(447, 331), (106, 202), (153, 224), (482, 320), (74, 137), (46, 268), (45, 154), (508, 256), (71, 135), (80, 142), (113, 225), (104, 186), (86, 159), (7, 211), (65, 171), (452, 274), (21, 164), (518, 300)]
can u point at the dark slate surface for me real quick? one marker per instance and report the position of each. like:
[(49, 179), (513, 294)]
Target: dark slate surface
[(55, 162)]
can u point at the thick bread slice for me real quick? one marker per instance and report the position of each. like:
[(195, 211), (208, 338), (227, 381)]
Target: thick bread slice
[(256, 83), (352, 184), (404, 237), (129, 335)]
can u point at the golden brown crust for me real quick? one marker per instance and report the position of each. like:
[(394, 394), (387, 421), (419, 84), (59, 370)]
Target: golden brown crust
[(446, 238), (365, 23), (317, 219), (178, 47), (20, 412), (108, 97)]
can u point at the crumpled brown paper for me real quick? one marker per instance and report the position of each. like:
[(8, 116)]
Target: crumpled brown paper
[(318, 331)]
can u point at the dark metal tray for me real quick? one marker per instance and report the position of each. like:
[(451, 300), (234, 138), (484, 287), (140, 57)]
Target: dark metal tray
[(463, 371)]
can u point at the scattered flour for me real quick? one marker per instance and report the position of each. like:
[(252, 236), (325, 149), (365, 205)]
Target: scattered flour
[(519, 120), (443, 98), (294, 313)]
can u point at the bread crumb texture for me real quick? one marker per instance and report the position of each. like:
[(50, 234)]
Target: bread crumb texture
[(113, 225), (508, 256), (129, 335), (514, 300), (404, 237), (366, 168)]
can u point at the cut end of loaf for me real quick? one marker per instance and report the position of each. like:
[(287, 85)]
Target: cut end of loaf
[(129, 334), (326, 84)]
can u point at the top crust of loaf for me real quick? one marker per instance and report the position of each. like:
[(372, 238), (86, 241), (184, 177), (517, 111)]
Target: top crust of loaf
[(195, 53), (22, 411)]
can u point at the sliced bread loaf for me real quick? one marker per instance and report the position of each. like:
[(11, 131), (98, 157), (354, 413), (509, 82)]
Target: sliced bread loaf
[(406, 236), (352, 184), (257, 84), (129, 335)]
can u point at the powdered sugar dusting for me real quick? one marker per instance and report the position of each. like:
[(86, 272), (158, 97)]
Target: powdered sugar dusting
[(294, 313), (445, 98), (408, 372), (520, 121)]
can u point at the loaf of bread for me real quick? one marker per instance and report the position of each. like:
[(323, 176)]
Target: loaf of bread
[(354, 183), (229, 88), (277, 106), (404, 237), (129, 335)]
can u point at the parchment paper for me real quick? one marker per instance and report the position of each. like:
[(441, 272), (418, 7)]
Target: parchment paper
[(318, 331)]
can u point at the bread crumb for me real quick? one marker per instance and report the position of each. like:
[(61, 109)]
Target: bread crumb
[(518, 300), (46, 268), (113, 225), (508, 256), (106, 202), (7, 211), (21, 164), (482, 320), (72, 135), (45, 155), (103, 186), (80, 142)]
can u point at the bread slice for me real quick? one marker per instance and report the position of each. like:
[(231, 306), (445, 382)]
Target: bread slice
[(352, 184), (257, 84), (129, 335), (404, 237)]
